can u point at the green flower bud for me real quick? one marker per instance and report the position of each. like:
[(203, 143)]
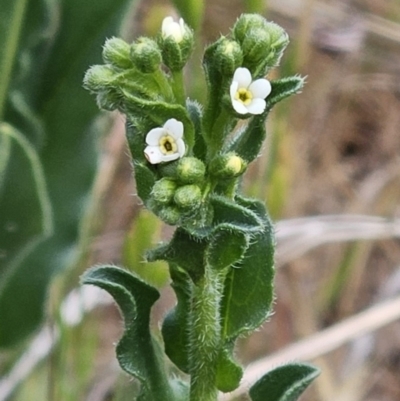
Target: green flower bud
[(245, 23), (116, 52), (226, 166), (190, 170), (170, 215), (262, 42), (163, 191), (188, 196), (146, 55), (176, 43), (99, 77), (229, 56), (256, 46)]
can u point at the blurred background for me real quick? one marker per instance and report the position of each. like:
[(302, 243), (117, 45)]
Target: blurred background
[(329, 174)]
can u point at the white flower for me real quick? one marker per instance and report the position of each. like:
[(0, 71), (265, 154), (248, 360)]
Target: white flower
[(171, 28), (247, 96), (166, 143)]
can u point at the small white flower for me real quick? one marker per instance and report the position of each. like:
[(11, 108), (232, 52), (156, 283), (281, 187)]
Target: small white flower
[(165, 144), (248, 96), (174, 29)]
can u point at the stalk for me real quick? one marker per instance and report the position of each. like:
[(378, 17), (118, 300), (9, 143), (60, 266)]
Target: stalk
[(205, 337)]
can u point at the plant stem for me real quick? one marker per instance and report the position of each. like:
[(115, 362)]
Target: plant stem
[(178, 87), (205, 336)]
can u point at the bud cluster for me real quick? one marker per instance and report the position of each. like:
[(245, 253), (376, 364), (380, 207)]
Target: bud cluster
[(183, 153), (179, 193)]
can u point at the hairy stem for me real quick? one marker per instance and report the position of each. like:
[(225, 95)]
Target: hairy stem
[(205, 336)]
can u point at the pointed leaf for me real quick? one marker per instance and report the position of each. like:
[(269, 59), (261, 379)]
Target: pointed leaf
[(58, 40), (136, 351), (283, 88), (285, 383), (248, 293)]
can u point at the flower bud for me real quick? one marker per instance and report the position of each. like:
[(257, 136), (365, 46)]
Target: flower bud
[(99, 77), (226, 166), (116, 52), (170, 215), (145, 55), (163, 191), (188, 196), (262, 42), (245, 23), (190, 170), (176, 43), (228, 56)]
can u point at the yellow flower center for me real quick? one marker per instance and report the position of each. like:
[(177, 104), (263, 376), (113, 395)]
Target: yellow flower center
[(244, 95), (167, 145)]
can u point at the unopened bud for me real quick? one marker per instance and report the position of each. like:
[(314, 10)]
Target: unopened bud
[(145, 55), (170, 215), (176, 43), (190, 170), (228, 56), (163, 191), (99, 77), (188, 196), (116, 52), (226, 166)]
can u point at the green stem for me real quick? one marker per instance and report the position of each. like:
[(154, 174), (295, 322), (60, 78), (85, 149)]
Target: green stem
[(178, 87), (218, 134), (205, 336)]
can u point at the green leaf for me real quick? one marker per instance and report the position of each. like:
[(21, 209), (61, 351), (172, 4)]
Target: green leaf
[(248, 141), (229, 373), (248, 292), (283, 88), (136, 351), (49, 45), (11, 20), (185, 250), (195, 114), (175, 328), (227, 246), (285, 383)]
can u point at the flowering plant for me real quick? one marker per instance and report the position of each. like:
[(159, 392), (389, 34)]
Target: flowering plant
[(188, 160)]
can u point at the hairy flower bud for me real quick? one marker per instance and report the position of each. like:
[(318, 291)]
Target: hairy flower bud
[(262, 42), (170, 215), (228, 56), (99, 77), (190, 170), (116, 52), (176, 43), (164, 190), (146, 55), (188, 196), (226, 166)]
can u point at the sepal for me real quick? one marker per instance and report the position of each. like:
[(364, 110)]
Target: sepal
[(116, 52)]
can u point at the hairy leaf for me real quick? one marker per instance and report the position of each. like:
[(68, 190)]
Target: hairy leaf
[(136, 351), (49, 45), (284, 383)]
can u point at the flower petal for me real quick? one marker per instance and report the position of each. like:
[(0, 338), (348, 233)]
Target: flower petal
[(181, 147), (260, 88), (233, 89), (153, 154), (257, 106), (167, 21), (239, 107), (174, 127), (154, 135), (243, 77)]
